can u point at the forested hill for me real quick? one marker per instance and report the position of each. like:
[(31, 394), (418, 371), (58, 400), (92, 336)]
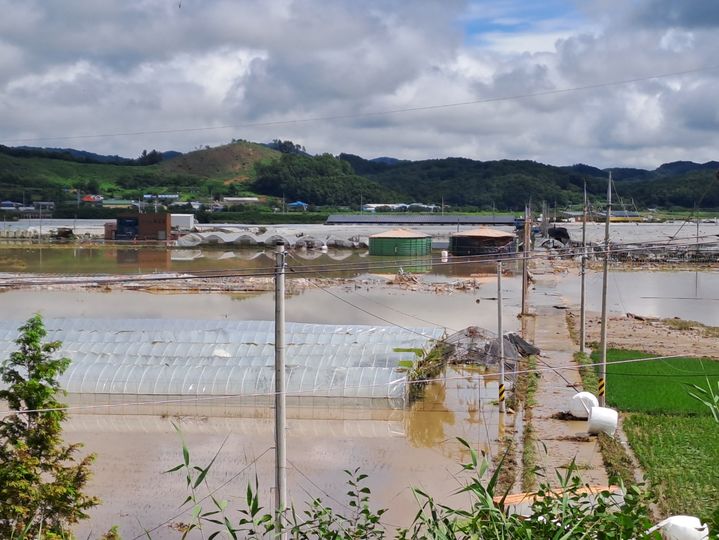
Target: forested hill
[(286, 170), (508, 184)]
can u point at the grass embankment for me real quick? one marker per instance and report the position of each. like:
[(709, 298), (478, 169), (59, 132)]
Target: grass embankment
[(673, 435), (703, 329), (529, 439), (523, 396), (428, 365)]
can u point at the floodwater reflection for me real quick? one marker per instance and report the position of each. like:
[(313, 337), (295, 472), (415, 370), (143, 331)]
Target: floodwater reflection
[(134, 260)]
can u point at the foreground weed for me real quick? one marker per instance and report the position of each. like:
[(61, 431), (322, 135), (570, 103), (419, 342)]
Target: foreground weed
[(566, 513), (708, 396)]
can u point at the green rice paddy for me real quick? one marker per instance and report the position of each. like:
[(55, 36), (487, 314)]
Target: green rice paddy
[(656, 386), (672, 434)]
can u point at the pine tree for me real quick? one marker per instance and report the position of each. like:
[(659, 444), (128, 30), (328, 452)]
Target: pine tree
[(41, 478)]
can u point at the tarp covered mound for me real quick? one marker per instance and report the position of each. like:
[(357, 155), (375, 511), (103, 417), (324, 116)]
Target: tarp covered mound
[(475, 345), (191, 357)]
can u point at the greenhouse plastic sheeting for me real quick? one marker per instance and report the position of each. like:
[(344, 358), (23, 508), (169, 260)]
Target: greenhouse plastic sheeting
[(187, 357)]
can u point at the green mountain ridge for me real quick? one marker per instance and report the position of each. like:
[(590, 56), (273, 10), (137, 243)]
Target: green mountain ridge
[(242, 168)]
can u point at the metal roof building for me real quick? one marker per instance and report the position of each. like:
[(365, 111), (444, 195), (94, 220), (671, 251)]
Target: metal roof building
[(421, 219), (480, 241)]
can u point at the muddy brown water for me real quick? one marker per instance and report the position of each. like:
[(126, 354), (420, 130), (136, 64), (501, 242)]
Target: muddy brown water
[(339, 305), (415, 447), (78, 259), (685, 294)]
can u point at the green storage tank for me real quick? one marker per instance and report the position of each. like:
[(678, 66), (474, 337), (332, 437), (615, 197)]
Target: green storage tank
[(400, 242)]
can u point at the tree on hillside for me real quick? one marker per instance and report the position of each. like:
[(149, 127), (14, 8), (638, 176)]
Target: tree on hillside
[(287, 147), (319, 180), (41, 479), (149, 158)]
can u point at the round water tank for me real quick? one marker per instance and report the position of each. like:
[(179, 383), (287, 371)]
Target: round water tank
[(602, 420), (581, 403), (683, 528)]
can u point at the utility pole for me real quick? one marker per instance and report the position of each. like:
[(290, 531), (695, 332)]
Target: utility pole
[(500, 334), (603, 373), (280, 396), (583, 274), (696, 213), (525, 261)]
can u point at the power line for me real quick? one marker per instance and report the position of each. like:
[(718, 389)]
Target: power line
[(350, 116), (392, 309), (210, 494)]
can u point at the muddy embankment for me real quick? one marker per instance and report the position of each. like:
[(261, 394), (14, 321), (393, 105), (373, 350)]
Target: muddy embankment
[(665, 337)]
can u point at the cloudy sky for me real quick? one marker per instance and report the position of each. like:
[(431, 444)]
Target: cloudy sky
[(319, 72)]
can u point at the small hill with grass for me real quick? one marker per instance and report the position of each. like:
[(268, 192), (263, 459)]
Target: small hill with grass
[(233, 162)]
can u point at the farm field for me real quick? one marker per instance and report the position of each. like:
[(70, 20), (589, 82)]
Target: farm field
[(673, 435), (658, 386)]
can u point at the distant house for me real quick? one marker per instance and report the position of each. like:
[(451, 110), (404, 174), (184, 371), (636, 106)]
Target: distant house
[(620, 216), (161, 197), (143, 227), (239, 201), (298, 205), (9, 205), (118, 203), (384, 207)]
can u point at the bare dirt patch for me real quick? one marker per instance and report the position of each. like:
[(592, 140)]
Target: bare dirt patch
[(667, 337)]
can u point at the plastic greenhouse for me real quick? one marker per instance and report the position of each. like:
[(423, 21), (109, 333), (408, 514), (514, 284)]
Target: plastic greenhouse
[(164, 358)]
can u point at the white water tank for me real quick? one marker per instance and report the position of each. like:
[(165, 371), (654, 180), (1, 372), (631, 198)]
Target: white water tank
[(581, 403), (183, 222), (602, 420)]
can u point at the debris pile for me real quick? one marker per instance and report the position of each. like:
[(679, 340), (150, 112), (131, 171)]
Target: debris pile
[(478, 346)]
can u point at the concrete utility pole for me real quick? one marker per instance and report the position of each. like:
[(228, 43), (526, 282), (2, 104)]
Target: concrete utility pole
[(583, 291), (696, 212), (500, 334), (280, 396), (603, 373), (525, 261)]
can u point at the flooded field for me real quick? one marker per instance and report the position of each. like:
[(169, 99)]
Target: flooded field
[(684, 294), (415, 446), (397, 449), (454, 310), (129, 260)]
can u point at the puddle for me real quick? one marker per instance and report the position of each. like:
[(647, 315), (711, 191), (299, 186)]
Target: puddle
[(687, 295)]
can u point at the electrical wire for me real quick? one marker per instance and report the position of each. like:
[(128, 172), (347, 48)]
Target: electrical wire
[(331, 497), (395, 309), (210, 494), (372, 114), (478, 259)]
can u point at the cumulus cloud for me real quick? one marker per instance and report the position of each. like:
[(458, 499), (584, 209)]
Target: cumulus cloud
[(73, 68)]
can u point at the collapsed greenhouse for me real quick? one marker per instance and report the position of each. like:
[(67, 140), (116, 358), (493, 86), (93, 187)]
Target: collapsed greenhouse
[(156, 360)]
